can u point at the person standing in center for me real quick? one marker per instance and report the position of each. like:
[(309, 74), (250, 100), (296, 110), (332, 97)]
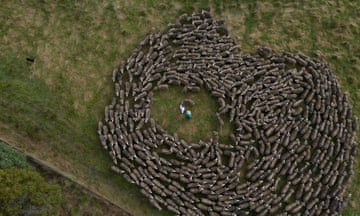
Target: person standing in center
[(188, 114), (182, 108)]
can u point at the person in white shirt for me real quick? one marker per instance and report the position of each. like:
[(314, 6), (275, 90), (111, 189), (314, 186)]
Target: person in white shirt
[(182, 108)]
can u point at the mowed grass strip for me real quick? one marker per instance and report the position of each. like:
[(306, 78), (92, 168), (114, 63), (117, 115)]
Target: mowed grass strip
[(50, 106)]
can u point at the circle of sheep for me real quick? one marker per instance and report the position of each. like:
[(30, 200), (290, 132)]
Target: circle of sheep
[(292, 149)]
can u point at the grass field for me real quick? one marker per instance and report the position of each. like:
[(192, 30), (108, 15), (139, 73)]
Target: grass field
[(67, 197), (75, 200), (203, 123), (50, 107)]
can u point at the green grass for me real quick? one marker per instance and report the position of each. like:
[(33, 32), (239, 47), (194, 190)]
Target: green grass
[(166, 112), (55, 102)]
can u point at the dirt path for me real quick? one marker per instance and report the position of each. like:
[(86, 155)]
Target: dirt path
[(52, 169)]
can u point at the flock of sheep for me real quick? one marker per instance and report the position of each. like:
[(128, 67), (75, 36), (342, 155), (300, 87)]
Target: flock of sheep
[(292, 149)]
